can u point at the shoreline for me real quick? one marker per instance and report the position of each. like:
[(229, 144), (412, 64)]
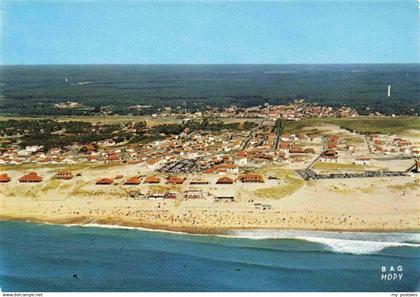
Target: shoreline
[(121, 224)]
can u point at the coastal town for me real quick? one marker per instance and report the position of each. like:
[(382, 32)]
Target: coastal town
[(241, 163)]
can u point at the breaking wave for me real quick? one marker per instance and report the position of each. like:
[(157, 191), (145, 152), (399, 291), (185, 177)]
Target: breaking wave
[(357, 243)]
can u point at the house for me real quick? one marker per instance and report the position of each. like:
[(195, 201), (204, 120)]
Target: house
[(193, 194), (68, 161), (329, 156), (175, 180), (154, 163), (362, 161), (240, 160), (156, 196), (296, 150), (261, 206), (333, 138), (152, 180), (31, 177), (224, 196), (104, 181), (170, 195), (135, 180), (223, 168), (33, 148), (113, 159), (328, 159), (332, 145), (66, 175), (230, 168), (4, 178), (284, 147), (91, 158), (251, 178), (225, 180)]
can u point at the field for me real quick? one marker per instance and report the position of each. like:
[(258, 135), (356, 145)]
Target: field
[(117, 119), (382, 125), (337, 167), (57, 167), (289, 183)]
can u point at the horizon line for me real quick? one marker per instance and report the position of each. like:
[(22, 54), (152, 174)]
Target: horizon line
[(210, 64)]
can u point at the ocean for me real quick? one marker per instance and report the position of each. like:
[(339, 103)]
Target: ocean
[(40, 257)]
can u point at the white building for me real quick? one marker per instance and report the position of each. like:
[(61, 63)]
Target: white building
[(362, 161)]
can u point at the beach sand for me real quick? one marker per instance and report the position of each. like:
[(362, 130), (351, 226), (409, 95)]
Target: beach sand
[(369, 204)]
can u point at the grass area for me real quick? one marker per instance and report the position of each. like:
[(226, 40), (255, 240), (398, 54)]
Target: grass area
[(322, 166), (290, 183), (367, 190), (413, 185), (34, 166), (103, 190), (354, 140), (383, 125), (120, 119), (50, 185), (69, 167), (95, 119)]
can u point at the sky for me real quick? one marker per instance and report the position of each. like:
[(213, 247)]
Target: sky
[(209, 32)]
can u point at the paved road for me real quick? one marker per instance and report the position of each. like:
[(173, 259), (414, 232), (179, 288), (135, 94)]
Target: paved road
[(251, 135), (324, 147), (276, 144), (368, 144)]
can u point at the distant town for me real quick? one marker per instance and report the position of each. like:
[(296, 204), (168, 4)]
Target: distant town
[(253, 157), (294, 111)]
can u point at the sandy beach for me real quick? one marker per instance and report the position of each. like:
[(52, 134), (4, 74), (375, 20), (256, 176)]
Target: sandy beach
[(365, 204)]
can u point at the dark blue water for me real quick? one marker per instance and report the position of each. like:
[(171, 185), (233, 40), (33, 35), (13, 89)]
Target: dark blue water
[(46, 257)]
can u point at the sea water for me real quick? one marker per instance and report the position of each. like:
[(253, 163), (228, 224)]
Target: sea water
[(40, 257)]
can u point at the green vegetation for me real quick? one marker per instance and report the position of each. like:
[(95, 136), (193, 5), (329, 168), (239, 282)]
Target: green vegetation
[(383, 125), (118, 89), (322, 166), (51, 134), (289, 183), (279, 126), (413, 185)]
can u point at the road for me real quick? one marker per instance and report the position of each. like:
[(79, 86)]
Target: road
[(324, 147), (251, 135), (276, 144)]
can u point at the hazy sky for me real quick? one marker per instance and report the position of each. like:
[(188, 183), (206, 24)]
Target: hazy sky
[(100, 32)]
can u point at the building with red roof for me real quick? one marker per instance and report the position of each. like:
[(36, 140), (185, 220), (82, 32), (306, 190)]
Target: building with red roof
[(64, 175), (175, 180), (225, 180), (4, 178), (152, 180), (135, 180), (251, 178), (104, 181), (31, 177)]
